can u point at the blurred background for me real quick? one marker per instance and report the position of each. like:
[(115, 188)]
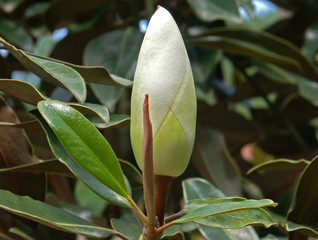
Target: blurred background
[(255, 68)]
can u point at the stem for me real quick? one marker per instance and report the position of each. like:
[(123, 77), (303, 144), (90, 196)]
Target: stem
[(162, 186), (160, 229), (138, 211), (174, 216)]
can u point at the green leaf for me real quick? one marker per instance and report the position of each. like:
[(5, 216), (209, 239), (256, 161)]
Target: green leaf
[(120, 58), (93, 74), (116, 121), (53, 72), (15, 33), (251, 50), (211, 233), (87, 199), (224, 207), (66, 76), (64, 157), (50, 216), (21, 90), (127, 225), (85, 144), (214, 162), (281, 164), (132, 173), (197, 188), (306, 87), (307, 230), (304, 208), (270, 43), (91, 109), (211, 10)]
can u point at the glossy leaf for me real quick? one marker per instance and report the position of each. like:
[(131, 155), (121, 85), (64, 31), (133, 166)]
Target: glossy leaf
[(211, 10), (281, 164), (21, 90), (197, 188), (251, 50), (50, 216), (225, 207), (304, 208), (64, 157), (116, 121), (272, 44), (53, 72), (85, 144), (93, 74)]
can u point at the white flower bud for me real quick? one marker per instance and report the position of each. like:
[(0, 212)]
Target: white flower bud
[(163, 72)]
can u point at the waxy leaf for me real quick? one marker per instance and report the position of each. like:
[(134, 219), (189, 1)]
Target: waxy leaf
[(93, 74), (50, 216), (198, 192), (281, 164), (85, 144), (64, 157), (304, 208), (21, 90), (53, 72), (271, 43), (224, 207)]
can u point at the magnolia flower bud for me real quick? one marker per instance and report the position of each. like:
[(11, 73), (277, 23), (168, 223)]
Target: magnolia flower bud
[(163, 72)]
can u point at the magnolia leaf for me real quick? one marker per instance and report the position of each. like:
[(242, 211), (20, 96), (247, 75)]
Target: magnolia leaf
[(280, 164), (93, 74), (53, 72), (64, 157), (85, 144), (225, 207), (304, 208), (50, 216)]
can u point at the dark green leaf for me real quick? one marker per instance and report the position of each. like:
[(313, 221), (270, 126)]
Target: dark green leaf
[(214, 162), (127, 225), (307, 230), (50, 216), (94, 74), (284, 165), (85, 144), (211, 233), (63, 156), (271, 44), (53, 72), (87, 199), (15, 33), (304, 208), (224, 207), (21, 90), (116, 121), (197, 188), (211, 10), (132, 173)]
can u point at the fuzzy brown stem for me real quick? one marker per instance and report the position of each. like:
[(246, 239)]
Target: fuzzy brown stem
[(162, 186)]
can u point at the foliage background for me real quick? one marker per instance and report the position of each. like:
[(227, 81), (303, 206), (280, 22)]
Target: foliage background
[(256, 81)]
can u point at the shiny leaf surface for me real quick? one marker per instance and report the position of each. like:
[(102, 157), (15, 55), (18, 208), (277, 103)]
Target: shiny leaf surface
[(85, 144), (49, 215)]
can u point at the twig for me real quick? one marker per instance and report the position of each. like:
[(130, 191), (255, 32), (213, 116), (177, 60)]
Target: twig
[(174, 216)]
